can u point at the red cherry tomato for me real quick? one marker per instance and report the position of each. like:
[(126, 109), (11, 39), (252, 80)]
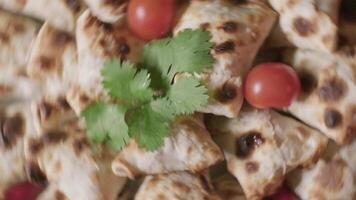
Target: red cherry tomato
[(150, 19), (284, 194), (271, 85), (23, 191)]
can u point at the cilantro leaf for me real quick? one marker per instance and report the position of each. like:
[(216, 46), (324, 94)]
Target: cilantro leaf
[(125, 83), (187, 95), (148, 114), (164, 107), (148, 127), (192, 51), (106, 122), (189, 52)]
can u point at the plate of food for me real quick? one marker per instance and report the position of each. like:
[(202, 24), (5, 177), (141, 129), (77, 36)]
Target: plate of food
[(177, 99)]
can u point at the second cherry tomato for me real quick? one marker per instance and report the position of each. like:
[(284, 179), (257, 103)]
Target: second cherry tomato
[(23, 191), (151, 19), (284, 194), (271, 85)]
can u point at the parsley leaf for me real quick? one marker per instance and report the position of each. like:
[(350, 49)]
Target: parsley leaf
[(125, 83), (187, 95), (148, 127), (189, 52), (106, 122)]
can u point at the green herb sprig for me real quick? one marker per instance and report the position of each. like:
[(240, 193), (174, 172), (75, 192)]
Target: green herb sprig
[(143, 108)]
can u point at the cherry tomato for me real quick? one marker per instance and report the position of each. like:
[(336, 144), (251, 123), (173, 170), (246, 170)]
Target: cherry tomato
[(150, 19), (284, 194), (271, 85), (23, 191)]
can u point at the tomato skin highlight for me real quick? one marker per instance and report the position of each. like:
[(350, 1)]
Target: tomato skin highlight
[(273, 85), (23, 191), (150, 19)]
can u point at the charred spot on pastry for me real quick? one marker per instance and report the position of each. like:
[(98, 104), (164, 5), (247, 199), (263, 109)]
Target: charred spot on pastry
[(114, 2), (238, 1), (153, 182), (60, 38), (4, 38), (108, 28), (5, 88), (204, 183), (303, 26), (317, 195), (60, 195), (115, 46), (180, 186), (348, 51), (240, 43), (63, 103), (44, 110), (227, 92), (83, 98), (191, 125), (255, 19), (102, 43), (35, 174), (123, 48), (251, 167), (2, 117), (91, 20), (229, 27), (161, 196), (35, 146), (225, 47), (291, 3), (350, 133), (331, 176), (247, 143), (12, 128), (332, 90), (80, 145), (21, 2), (45, 62), (73, 5), (303, 131), (21, 72), (327, 39), (57, 166), (308, 81), (16, 27), (189, 150), (75, 127), (205, 26), (54, 137), (332, 118), (351, 122), (352, 115)]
